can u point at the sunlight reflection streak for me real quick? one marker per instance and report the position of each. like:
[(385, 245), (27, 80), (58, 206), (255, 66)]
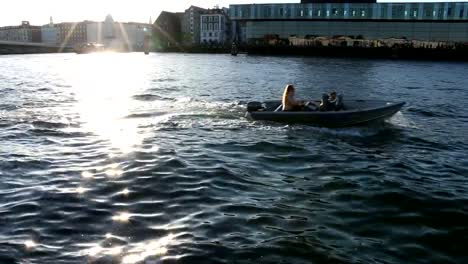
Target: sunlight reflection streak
[(136, 253), (67, 37), (125, 36), (103, 85)]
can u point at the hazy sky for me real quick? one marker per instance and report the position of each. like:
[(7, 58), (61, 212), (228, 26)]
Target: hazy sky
[(12, 12)]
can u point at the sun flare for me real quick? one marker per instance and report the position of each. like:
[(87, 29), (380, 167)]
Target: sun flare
[(103, 85)]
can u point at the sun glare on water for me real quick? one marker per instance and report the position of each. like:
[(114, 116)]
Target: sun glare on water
[(104, 85)]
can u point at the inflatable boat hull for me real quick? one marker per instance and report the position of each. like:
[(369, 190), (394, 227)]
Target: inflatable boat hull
[(357, 112)]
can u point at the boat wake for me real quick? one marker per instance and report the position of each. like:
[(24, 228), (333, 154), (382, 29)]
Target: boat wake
[(360, 132), (400, 120)]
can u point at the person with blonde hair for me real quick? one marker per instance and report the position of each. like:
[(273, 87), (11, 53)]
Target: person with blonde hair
[(288, 102)]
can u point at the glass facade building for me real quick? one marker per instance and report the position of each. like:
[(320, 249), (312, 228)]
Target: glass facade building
[(442, 21), (355, 11)]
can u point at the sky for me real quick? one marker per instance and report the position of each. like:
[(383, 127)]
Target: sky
[(38, 12)]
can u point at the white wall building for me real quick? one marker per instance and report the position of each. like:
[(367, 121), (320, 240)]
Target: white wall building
[(94, 32), (214, 25), (109, 27), (23, 33), (49, 35), (117, 35)]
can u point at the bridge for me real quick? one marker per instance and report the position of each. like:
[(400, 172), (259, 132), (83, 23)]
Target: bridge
[(13, 47)]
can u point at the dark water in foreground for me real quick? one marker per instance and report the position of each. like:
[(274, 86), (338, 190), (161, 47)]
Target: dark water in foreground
[(122, 158)]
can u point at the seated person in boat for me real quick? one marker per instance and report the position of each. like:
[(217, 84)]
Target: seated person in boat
[(325, 105), (333, 98), (336, 101), (290, 104), (331, 102)]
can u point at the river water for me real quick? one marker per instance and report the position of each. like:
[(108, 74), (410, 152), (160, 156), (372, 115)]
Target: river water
[(126, 158)]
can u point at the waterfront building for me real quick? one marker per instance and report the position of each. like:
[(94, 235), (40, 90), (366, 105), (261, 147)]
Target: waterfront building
[(190, 24), (167, 29), (49, 34), (23, 33), (134, 34), (94, 32), (126, 36), (72, 34), (117, 35), (447, 21), (109, 28), (214, 26), (337, 1)]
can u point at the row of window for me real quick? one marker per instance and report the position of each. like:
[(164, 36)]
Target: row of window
[(210, 18), (210, 26), (14, 38), (15, 34), (205, 34), (425, 11), (362, 13)]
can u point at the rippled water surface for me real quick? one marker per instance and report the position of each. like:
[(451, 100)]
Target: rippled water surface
[(126, 158)]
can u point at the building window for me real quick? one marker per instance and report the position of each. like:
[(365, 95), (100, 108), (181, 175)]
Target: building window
[(449, 13), (318, 12), (328, 13), (216, 26), (427, 12), (354, 12), (334, 11), (415, 13), (210, 34), (363, 13), (281, 11), (406, 13), (210, 26), (461, 13)]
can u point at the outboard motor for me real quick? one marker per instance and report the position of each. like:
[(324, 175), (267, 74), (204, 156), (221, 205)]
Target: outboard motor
[(254, 106)]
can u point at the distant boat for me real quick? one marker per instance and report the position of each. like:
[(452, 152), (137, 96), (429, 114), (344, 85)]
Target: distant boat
[(89, 48), (234, 50), (356, 112)]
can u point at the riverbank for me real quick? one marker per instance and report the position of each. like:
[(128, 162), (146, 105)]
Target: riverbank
[(439, 54), (11, 48), (402, 52)]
